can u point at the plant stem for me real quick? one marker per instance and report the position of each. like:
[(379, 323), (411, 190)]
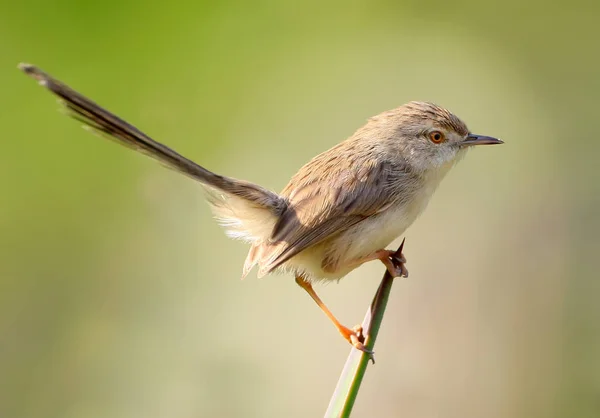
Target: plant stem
[(344, 396)]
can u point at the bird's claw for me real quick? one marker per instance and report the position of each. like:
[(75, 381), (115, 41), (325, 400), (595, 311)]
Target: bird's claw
[(399, 262), (357, 340)]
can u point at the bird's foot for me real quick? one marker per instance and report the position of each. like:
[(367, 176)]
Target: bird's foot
[(399, 262), (356, 338), (395, 262)]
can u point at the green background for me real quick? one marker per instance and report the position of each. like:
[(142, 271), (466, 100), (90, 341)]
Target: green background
[(120, 297)]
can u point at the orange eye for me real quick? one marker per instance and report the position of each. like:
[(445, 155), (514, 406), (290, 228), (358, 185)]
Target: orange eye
[(436, 137)]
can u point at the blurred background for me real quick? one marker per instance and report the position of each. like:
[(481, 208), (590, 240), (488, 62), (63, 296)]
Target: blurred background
[(120, 296)]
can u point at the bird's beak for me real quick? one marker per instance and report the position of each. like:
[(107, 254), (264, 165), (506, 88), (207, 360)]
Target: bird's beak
[(473, 139)]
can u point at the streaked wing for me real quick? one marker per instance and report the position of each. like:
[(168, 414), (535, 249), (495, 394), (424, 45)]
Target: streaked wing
[(328, 196)]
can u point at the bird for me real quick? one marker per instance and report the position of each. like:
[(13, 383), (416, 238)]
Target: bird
[(339, 211)]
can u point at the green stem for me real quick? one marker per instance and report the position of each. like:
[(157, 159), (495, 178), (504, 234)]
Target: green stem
[(344, 396)]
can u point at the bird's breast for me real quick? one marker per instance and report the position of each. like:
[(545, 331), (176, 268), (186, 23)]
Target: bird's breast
[(378, 231), (371, 234)]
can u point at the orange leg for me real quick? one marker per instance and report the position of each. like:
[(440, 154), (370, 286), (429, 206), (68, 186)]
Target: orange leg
[(353, 336)]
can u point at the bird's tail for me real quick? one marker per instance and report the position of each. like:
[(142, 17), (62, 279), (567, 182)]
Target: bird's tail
[(247, 211)]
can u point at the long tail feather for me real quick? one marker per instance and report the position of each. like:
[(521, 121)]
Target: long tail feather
[(107, 124)]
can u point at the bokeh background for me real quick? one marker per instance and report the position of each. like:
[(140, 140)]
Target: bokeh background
[(120, 297)]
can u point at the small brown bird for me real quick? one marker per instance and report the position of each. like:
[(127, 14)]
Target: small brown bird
[(339, 211)]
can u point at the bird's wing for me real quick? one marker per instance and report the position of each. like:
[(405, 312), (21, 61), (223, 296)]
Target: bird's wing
[(329, 195)]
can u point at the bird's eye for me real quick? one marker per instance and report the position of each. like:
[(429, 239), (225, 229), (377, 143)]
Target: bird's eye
[(436, 137)]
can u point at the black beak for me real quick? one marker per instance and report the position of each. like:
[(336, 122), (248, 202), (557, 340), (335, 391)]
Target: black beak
[(473, 139)]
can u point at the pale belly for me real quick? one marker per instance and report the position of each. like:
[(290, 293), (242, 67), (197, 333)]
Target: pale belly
[(363, 239), (357, 242)]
